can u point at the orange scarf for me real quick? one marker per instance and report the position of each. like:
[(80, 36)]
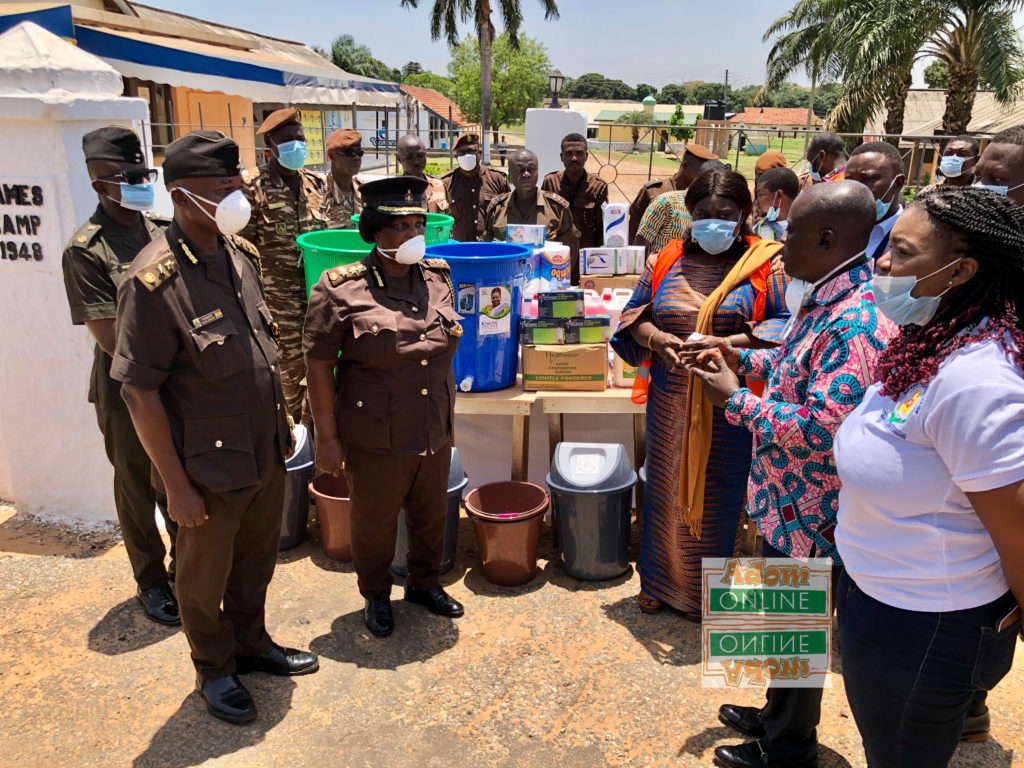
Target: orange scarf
[(753, 266)]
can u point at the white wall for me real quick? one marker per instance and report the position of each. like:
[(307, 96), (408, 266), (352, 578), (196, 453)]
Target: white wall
[(545, 129), (52, 461)]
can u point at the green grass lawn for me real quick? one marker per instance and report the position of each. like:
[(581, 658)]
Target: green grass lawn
[(792, 149)]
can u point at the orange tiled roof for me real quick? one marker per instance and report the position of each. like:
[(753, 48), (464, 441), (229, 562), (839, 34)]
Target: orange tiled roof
[(773, 116), (437, 103)]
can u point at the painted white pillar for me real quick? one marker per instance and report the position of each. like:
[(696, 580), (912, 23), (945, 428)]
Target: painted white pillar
[(545, 129), (52, 462)]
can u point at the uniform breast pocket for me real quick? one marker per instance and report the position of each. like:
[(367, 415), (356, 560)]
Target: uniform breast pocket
[(375, 337), (449, 322), (589, 215), (219, 453), (219, 347)]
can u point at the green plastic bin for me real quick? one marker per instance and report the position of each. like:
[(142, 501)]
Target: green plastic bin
[(328, 248), (439, 227)]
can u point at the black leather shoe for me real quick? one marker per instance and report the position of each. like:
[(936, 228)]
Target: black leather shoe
[(752, 755), (379, 619), (286, 662), (976, 726), (159, 604), (227, 699), (745, 720), (436, 600)]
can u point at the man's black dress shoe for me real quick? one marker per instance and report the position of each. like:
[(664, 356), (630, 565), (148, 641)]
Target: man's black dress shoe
[(227, 699), (746, 720), (378, 616), (159, 604), (277, 660), (435, 599), (752, 755)]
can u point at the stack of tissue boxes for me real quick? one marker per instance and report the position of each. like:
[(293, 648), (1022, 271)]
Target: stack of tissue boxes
[(627, 260)]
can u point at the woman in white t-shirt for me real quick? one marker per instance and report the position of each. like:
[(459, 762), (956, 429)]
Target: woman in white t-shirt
[(931, 512)]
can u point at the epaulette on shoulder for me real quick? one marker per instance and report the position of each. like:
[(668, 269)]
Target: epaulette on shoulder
[(437, 264), (158, 273), (557, 198), (244, 245), (339, 275), (501, 198), (653, 183), (86, 233), (158, 218)]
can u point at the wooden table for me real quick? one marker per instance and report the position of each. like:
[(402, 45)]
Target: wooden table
[(512, 402)]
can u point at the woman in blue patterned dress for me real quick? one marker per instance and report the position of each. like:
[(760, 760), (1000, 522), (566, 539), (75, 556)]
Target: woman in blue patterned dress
[(738, 281)]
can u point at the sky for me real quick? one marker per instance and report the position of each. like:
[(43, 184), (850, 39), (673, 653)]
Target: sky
[(650, 41)]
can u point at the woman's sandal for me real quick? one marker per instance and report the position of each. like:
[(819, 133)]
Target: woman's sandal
[(649, 604)]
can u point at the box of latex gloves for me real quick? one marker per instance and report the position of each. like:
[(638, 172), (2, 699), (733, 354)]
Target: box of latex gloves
[(627, 260)]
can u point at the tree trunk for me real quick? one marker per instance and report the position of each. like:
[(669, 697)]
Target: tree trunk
[(486, 33), (963, 85), (896, 106)]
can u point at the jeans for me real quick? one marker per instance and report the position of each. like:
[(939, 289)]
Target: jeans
[(910, 676), (790, 716)]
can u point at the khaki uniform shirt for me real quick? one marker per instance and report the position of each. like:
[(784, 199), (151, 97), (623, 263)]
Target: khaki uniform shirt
[(650, 192), (395, 383), (436, 198), (339, 207), (278, 217), (468, 198), (585, 199), (95, 262), (198, 330), (549, 209)]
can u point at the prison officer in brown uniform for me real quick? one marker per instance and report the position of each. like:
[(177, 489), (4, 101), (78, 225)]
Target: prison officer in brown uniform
[(387, 412), (694, 156), (412, 156), (528, 205), (471, 187), (199, 363), (95, 262), (586, 194)]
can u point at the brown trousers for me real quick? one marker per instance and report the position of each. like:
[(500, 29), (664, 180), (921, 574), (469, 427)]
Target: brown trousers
[(382, 484), (230, 559), (136, 500)]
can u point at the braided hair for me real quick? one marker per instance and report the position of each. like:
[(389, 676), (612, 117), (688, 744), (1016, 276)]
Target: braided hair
[(985, 226)]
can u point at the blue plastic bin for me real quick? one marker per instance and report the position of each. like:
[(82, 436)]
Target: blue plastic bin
[(488, 279)]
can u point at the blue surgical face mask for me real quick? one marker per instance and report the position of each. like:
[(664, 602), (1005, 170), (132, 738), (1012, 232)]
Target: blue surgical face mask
[(952, 166), (815, 176), (892, 297), (138, 197), (714, 235), (999, 189), (292, 154), (773, 212), (881, 206)]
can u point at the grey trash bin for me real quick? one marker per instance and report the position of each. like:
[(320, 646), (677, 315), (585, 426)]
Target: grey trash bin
[(457, 480), (592, 497), (299, 471)]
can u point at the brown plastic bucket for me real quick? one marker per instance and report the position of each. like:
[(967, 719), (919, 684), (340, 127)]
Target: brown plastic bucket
[(334, 509), (507, 519)]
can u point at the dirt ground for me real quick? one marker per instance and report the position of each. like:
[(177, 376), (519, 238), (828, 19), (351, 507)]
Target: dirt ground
[(556, 673)]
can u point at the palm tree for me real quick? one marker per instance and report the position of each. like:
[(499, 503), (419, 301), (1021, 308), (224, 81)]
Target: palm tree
[(444, 20), (636, 119)]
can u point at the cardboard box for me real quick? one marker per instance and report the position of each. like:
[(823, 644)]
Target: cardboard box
[(600, 282), (630, 260), (567, 367), (538, 330), (554, 304), (593, 329), (525, 234), (597, 261)]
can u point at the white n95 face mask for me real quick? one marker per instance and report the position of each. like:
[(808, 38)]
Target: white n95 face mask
[(233, 212), (467, 162), (409, 252)]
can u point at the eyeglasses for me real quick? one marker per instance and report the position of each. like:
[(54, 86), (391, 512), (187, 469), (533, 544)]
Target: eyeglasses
[(350, 152), (133, 177), (470, 150)]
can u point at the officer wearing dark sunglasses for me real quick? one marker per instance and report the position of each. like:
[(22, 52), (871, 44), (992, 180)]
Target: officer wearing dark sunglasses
[(95, 262), (342, 200)]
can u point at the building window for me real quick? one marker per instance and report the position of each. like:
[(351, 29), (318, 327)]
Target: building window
[(161, 110)]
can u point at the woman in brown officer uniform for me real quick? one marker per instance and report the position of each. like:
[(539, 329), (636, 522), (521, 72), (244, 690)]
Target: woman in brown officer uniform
[(383, 412)]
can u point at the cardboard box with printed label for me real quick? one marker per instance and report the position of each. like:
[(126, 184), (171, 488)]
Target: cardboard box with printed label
[(600, 282), (630, 260), (592, 329), (597, 261), (552, 304), (565, 367), (539, 330)]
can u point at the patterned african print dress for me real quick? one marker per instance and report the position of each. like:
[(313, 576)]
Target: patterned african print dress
[(670, 555)]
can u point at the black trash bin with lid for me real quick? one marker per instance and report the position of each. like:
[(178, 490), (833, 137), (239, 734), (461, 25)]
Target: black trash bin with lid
[(299, 471), (592, 498), (457, 480)]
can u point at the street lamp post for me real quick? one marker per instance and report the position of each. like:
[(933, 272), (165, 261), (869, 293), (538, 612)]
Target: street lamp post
[(555, 80)]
